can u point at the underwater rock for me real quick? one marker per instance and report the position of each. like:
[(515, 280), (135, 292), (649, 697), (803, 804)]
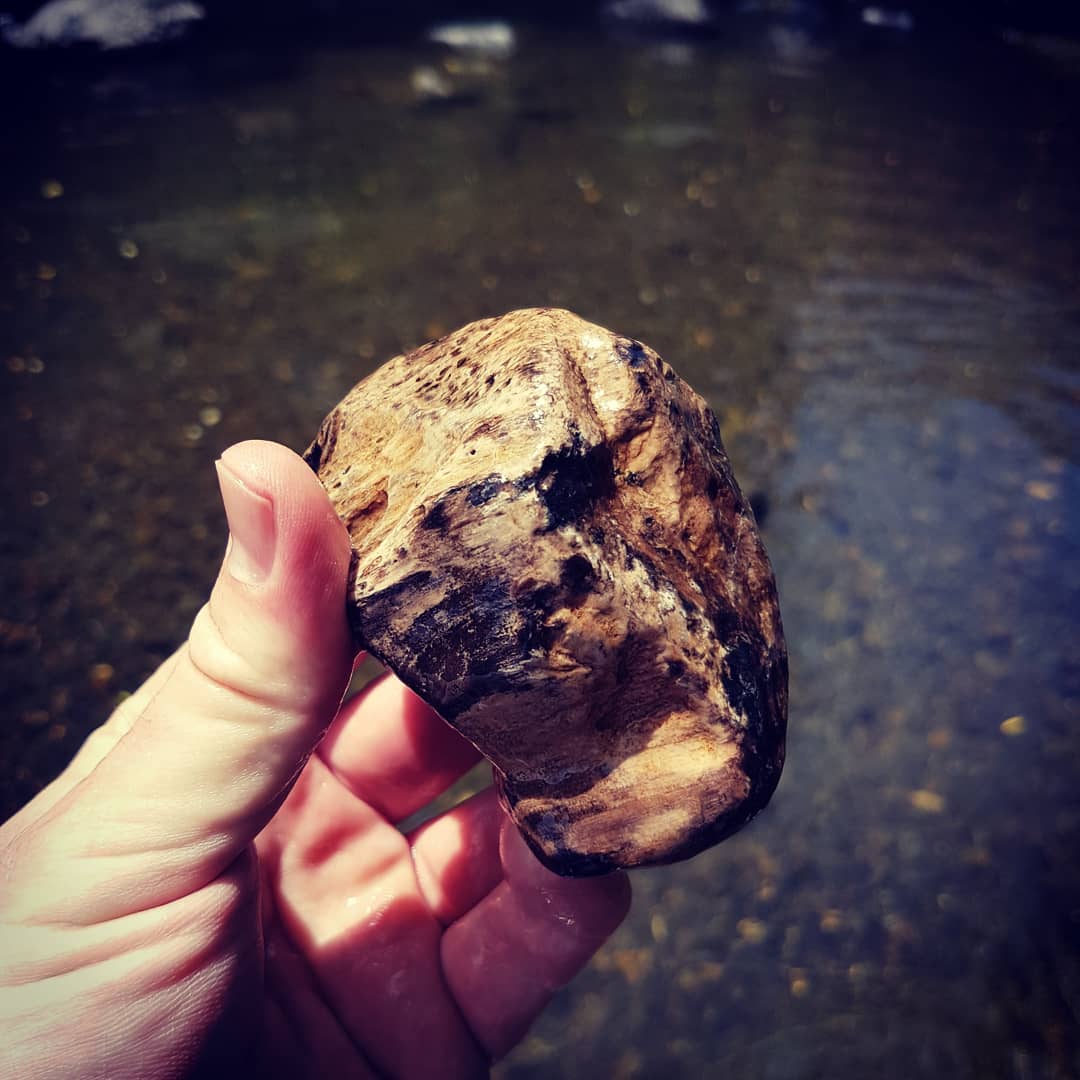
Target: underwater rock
[(109, 24), (671, 12), (550, 548), (485, 37)]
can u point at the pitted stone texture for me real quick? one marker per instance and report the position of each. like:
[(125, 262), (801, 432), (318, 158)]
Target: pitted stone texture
[(550, 548)]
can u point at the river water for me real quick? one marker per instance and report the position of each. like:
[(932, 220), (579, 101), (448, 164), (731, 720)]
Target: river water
[(861, 247)]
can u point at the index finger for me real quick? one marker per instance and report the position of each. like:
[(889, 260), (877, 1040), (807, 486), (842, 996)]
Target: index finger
[(393, 751)]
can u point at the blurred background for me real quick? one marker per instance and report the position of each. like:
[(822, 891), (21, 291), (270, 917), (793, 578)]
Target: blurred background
[(854, 228)]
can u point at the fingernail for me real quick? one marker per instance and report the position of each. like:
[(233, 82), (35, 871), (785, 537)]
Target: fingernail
[(252, 534)]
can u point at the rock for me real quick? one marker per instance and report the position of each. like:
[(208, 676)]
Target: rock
[(110, 24), (492, 38), (674, 12), (550, 548)]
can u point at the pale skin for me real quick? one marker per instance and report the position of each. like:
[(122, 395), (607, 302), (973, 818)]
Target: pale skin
[(216, 886)]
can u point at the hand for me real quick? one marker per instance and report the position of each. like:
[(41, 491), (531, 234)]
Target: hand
[(216, 883)]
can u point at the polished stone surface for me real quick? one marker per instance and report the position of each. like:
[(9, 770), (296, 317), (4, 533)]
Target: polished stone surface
[(550, 548)]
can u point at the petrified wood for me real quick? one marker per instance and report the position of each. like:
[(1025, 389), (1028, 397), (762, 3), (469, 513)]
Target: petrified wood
[(550, 548)]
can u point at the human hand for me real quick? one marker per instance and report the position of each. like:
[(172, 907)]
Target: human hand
[(215, 885)]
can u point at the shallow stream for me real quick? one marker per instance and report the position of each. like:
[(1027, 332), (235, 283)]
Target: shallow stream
[(862, 248)]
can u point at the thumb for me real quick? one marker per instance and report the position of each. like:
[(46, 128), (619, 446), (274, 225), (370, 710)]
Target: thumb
[(212, 754)]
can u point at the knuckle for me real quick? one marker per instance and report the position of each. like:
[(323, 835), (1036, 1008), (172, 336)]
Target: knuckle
[(222, 663)]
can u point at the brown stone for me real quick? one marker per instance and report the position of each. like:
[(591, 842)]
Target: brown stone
[(550, 548)]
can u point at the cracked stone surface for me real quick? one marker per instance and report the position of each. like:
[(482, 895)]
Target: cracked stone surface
[(550, 548)]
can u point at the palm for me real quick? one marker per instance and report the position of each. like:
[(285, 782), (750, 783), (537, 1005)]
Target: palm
[(409, 956), (131, 916)]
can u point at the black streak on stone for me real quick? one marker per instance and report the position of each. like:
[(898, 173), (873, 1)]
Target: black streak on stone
[(549, 826), (372, 619), (726, 624), (462, 644), (632, 353), (436, 518), (714, 430), (318, 453), (577, 575), (484, 491), (576, 864), (740, 675), (571, 480)]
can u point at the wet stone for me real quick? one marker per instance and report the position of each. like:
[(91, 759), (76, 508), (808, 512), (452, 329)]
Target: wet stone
[(550, 548)]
